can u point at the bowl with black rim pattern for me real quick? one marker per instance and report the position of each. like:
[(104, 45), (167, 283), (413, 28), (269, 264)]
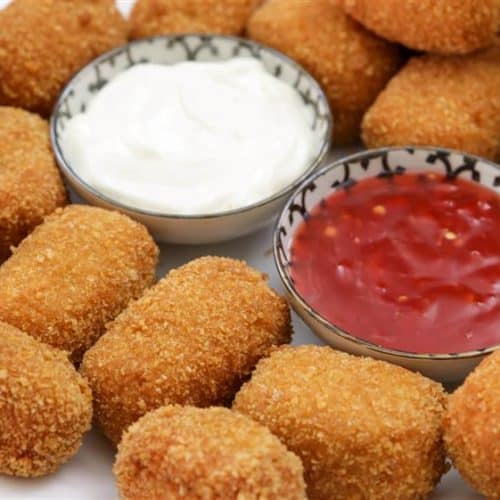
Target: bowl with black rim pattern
[(168, 50), (451, 367)]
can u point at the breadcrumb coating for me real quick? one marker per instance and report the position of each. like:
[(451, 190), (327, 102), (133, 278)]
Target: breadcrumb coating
[(472, 427), (192, 339), (212, 453), (44, 42), (73, 274), (350, 63), (440, 26), (30, 184), (162, 17), (450, 102), (363, 428), (45, 406)]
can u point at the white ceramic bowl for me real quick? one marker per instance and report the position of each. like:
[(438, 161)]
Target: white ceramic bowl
[(192, 229), (447, 368)]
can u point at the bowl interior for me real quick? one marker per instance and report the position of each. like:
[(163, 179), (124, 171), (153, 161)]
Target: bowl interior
[(381, 162), (173, 49)]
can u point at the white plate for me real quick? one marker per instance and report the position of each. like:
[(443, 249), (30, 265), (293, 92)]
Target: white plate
[(88, 476)]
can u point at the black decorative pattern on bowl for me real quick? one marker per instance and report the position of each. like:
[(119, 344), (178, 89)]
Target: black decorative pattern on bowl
[(177, 48)]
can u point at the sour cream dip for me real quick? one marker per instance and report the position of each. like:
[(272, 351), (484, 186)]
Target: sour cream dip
[(192, 138)]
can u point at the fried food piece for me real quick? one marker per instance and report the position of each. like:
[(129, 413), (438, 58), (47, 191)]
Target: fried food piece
[(450, 102), (44, 42), (472, 427), (30, 184), (180, 452), (363, 428), (73, 274), (441, 26), (192, 339), (351, 64), (45, 406), (162, 17)]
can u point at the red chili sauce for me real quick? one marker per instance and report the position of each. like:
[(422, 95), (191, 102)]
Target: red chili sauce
[(410, 262)]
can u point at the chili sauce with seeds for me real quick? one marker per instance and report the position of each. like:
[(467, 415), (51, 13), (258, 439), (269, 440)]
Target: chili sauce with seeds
[(409, 262)]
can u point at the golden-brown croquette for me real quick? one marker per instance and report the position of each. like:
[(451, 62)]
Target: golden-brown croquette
[(441, 26), (162, 17), (351, 64), (363, 428), (212, 453), (472, 427), (30, 184), (192, 339), (45, 405), (451, 102), (44, 42), (73, 274)]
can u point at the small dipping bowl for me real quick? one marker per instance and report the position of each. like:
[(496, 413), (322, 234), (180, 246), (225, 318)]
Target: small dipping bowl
[(168, 50), (447, 368)]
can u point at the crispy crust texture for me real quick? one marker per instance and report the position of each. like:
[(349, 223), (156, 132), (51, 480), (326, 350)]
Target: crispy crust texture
[(74, 273), (185, 452), (351, 64), (440, 26), (30, 184), (192, 339), (45, 405), (441, 101), (162, 17), (472, 427), (44, 42), (363, 428)]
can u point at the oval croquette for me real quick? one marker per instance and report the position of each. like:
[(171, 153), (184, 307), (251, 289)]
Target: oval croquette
[(30, 184), (441, 26), (451, 102), (73, 274), (44, 42), (472, 427), (350, 63), (163, 17), (213, 453), (45, 406), (363, 428), (192, 339)]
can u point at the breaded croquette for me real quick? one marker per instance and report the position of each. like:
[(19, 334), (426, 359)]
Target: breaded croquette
[(30, 184), (45, 406), (451, 102), (73, 274), (472, 427), (163, 17), (350, 63), (440, 26), (44, 42), (363, 428), (191, 453), (192, 339)]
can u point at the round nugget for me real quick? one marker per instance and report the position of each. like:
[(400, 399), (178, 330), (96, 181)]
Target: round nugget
[(162, 17), (363, 428), (441, 26), (192, 339), (472, 427), (44, 42), (45, 406), (184, 452), (350, 63), (441, 101), (30, 184), (73, 274)]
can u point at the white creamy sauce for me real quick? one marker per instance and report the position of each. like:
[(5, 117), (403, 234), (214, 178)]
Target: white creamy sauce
[(192, 138)]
